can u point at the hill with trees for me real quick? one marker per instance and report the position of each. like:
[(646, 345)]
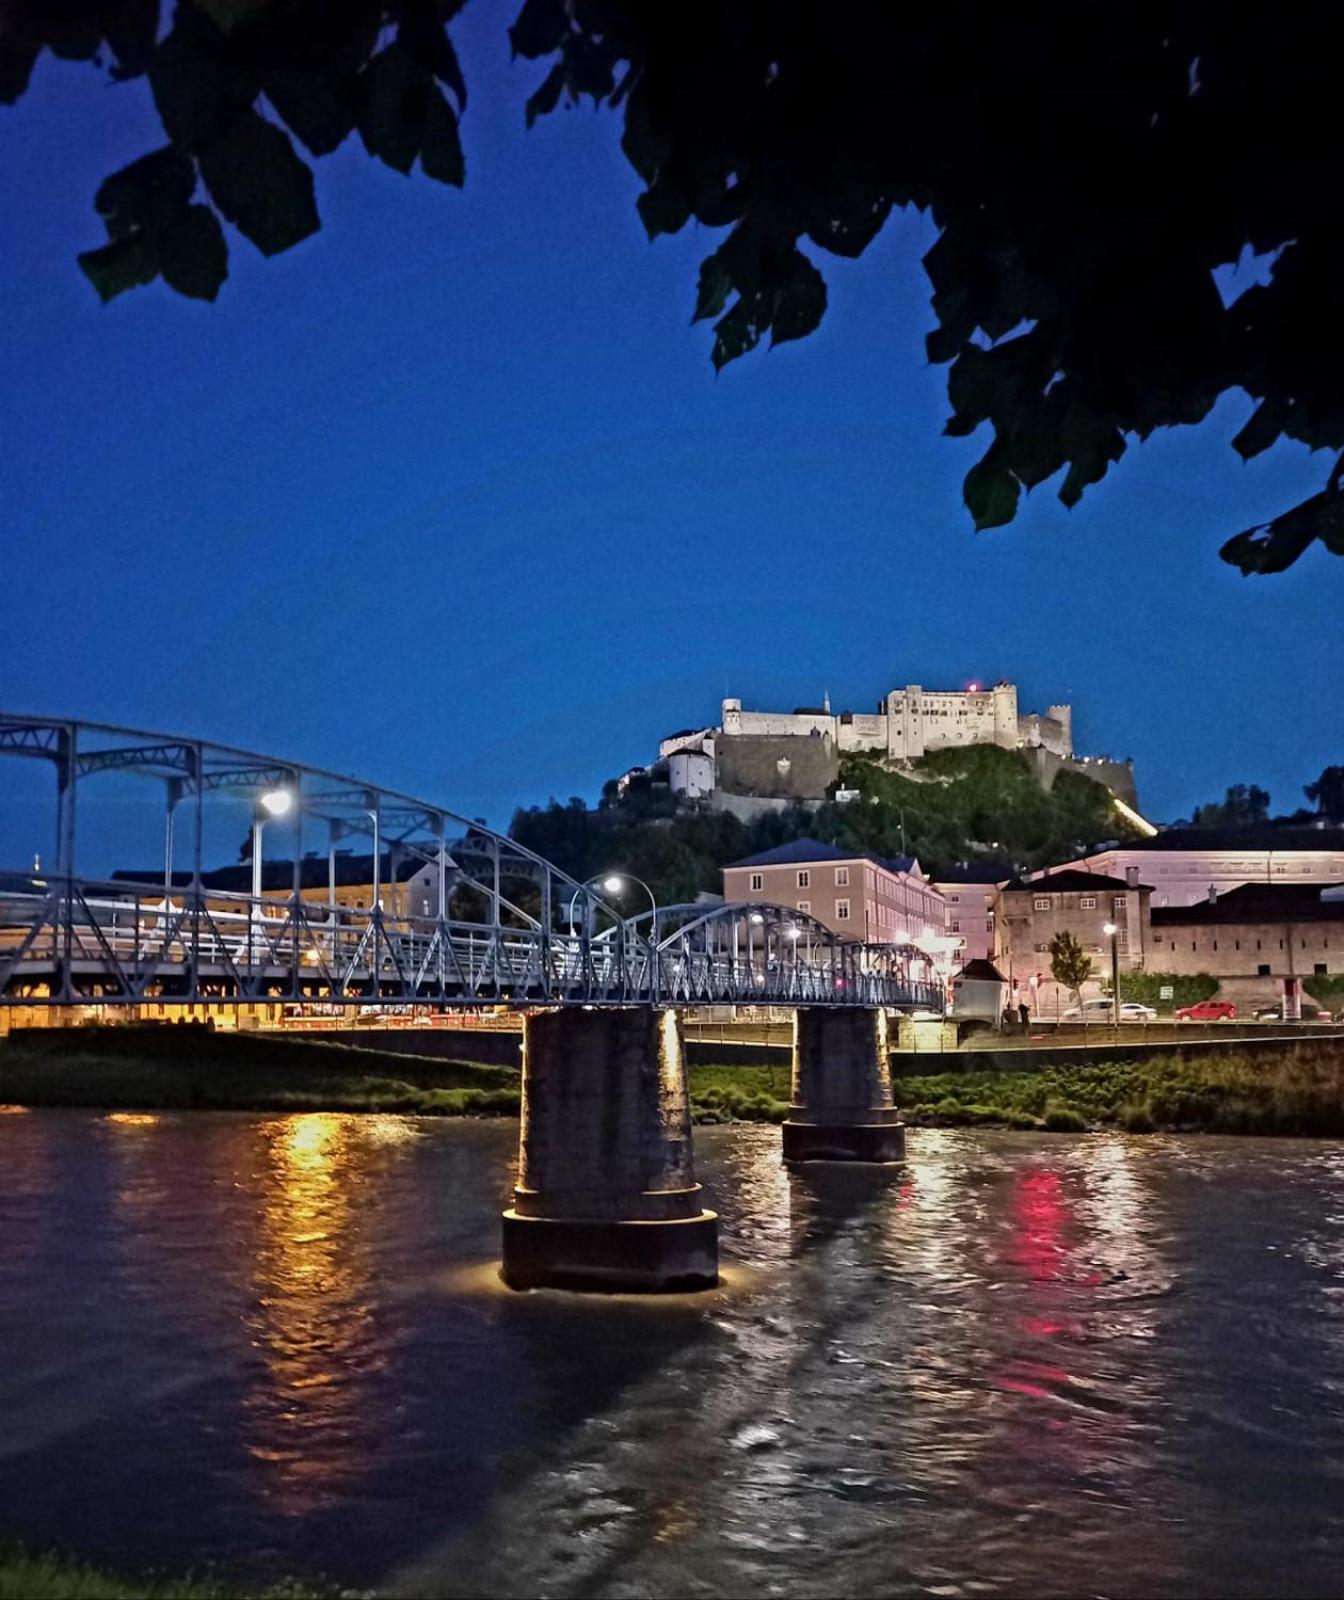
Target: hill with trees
[(975, 804)]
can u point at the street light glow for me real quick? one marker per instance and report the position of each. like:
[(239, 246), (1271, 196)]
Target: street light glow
[(612, 884), (1110, 930), (277, 801), (757, 918), (793, 933)]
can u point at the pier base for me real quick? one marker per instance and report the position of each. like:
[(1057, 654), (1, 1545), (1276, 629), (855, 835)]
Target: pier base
[(606, 1196), (842, 1108)]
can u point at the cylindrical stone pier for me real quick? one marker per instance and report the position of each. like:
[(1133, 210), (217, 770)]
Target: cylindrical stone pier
[(606, 1195), (842, 1108)]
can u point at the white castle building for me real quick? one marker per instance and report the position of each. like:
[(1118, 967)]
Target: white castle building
[(907, 724)]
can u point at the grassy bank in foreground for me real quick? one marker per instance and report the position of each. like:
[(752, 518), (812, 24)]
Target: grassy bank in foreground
[(49, 1577)]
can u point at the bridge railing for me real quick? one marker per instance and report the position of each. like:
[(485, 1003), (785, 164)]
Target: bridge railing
[(75, 942)]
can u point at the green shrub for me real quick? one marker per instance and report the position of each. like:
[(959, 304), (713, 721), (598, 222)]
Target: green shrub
[(1061, 1118), (1136, 1118), (1188, 989)]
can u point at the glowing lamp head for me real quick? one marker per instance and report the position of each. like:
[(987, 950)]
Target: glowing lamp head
[(793, 933), (612, 884), (1110, 930), (756, 919), (277, 802)]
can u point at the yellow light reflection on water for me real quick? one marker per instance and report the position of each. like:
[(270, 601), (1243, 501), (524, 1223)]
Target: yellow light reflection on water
[(305, 1414), (132, 1119)]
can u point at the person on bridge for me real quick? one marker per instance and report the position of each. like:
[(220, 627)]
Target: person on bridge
[(1024, 1012)]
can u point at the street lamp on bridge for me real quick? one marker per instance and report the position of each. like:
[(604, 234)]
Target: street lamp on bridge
[(270, 803), (1111, 931)]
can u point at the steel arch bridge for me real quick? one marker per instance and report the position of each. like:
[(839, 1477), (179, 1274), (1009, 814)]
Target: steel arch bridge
[(498, 924)]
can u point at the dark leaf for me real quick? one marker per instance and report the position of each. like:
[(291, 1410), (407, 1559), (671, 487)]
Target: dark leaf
[(146, 193), (852, 221), (715, 287), (193, 255), (734, 334), (195, 89), (446, 68), (395, 88), (259, 184), (991, 493), (943, 344), (74, 32), (1264, 426), (591, 69), (318, 107), (18, 55), (441, 153), (1274, 546), (123, 264), (540, 28), (799, 303), (662, 210), (132, 33), (546, 98)]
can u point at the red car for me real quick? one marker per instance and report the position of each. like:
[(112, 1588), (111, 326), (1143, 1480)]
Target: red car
[(1207, 1011)]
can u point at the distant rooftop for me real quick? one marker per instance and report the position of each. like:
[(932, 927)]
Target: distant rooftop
[(1070, 882), (1256, 903), (802, 852), (976, 872)]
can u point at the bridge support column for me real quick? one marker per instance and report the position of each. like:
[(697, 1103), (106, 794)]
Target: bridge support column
[(842, 1108), (606, 1196)]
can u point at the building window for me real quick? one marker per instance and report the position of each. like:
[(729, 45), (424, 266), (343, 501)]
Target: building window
[(954, 898), (842, 910), (1262, 971), (989, 924), (956, 927), (757, 881), (805, 905), (1088, 902), (1319, 969), (804, 879), (842, 877), (1118, 904), (1041, 904)]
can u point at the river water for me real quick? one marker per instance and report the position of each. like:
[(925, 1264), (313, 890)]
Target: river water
[(1021, 1365)]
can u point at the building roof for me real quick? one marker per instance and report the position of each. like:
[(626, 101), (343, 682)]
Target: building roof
[(1070, 881), (985, 971), (1255, 903), (802, 852), (976, 872), (1262, 836)]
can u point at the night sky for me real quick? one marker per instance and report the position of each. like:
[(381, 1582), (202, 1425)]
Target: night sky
[(450, 497)]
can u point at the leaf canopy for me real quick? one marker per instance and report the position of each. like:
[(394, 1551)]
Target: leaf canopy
[(1088, 167)]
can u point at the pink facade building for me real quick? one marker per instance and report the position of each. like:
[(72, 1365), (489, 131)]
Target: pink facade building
[(1185, 865), (867, 897), (969, 893)]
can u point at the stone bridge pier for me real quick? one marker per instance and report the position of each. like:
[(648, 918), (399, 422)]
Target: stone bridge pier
[(842, 1107), (606, 1195)]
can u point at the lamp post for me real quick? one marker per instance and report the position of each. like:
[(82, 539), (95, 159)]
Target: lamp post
[(271, 803), (612, 883), (1111, 931)]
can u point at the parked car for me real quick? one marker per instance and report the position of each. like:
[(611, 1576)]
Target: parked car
[(1311, 1012), (1100, 1010), (1207, 1011)]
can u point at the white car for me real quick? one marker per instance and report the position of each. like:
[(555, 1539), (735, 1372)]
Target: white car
[(1100, 1010)]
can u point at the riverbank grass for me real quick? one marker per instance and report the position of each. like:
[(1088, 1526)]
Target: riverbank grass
[(51, 1577)]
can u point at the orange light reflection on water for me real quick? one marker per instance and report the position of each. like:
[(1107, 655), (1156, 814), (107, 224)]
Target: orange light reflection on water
[(306, 1415)]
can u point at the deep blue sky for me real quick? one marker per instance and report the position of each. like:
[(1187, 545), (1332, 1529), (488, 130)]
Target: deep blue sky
[(450, 496)]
